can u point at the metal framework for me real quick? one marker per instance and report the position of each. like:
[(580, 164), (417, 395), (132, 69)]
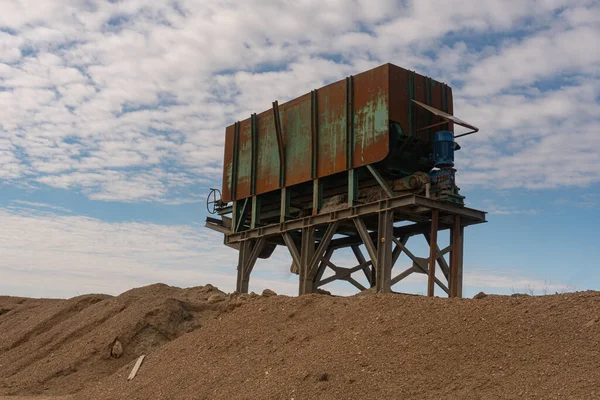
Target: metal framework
[(383, 227)]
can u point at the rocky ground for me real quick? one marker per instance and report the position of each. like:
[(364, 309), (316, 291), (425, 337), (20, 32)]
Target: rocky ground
[(201, 343)]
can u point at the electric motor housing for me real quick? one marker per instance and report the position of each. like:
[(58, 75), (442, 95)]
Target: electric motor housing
[(443, 149)]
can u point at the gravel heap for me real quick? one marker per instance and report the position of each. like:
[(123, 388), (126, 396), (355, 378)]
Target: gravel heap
[(308, 347)]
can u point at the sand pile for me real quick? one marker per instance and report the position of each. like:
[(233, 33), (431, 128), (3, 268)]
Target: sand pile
[(311, 347), (61, 346)]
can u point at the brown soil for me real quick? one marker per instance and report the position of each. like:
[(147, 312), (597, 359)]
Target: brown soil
[(61, 346), (311, 347)]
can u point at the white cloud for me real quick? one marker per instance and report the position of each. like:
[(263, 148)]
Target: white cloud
[(48, 254), (80, 255), (104, 91)]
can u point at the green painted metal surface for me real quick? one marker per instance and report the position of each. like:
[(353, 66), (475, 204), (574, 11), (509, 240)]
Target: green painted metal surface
[(318, 141)]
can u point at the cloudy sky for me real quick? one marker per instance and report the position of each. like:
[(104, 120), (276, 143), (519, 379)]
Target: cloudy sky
[(112, 117)]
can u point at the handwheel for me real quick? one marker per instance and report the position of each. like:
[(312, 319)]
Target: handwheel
[(212, 202)]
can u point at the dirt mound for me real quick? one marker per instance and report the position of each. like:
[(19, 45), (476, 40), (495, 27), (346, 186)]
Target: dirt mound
[(61, 346), (314, 346)]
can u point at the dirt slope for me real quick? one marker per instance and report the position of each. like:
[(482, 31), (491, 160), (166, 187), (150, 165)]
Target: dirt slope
[(61, 346), (312, 347)]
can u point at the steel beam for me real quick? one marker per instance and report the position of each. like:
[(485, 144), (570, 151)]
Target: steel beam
[(459, 270), (368, 268), (398, 250), (352, 187), (249, 252), (317, 196), (381, 181), (306, 254), (323, 265), (470, 216), (318, 255), (367, 241), (383, 275), (432, 252), (291, 246), (280, 144), (255, 215), (455, 256), (440, 256), (402, 275), (410, 255)]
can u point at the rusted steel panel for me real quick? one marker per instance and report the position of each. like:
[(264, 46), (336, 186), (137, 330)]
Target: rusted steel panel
[(449, 106), (406, 85), (379, 96), (371, 116), (244, 167), (227, 165), (332, 129), (267, 168), (399, 96), (296, 126), (422, 117)]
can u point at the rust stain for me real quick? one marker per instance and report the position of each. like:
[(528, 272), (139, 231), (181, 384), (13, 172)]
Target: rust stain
[(296, 127), (244, 167), (380, 95), (227, 164), (332, 129), (267, 168)]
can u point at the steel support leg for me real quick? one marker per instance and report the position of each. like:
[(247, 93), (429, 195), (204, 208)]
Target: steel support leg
[(306, 254), (249, 251), (432, 253), (459, 270), (456, 259), (243, 279), (383, 276)]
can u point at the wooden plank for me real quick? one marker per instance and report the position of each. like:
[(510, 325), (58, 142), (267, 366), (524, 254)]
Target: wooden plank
[(136, 367)]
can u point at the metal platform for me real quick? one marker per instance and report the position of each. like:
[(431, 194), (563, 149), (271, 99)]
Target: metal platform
[(311, 243)]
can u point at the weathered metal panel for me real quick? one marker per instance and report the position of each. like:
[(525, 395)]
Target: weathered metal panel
[(407, 85), (378, 96), (227, 165), (422, 117), (449, 106), (371, 116), (332, 129), (296, 126), (267, 168), (399, 96), (244, 165)]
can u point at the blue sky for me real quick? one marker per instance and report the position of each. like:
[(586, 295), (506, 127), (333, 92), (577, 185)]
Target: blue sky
[(112, 115)]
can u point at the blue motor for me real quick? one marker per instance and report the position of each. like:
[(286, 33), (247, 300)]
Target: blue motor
[(443, 149)]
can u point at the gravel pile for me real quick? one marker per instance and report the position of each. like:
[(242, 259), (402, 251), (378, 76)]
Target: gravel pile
[(308, 347)]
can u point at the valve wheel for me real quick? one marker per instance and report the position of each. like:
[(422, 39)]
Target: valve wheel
[(212, 201)]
